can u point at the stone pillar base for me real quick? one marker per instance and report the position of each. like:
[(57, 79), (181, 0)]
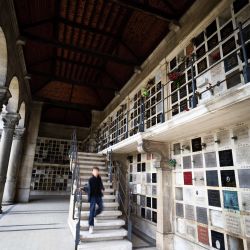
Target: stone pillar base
[(164, 241)]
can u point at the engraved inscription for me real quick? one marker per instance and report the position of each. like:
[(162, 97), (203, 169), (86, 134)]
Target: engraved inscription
[(201, 214), (232, 223), (198, 161), (244, 177), (199, 178), (189, 212), (210, 160)]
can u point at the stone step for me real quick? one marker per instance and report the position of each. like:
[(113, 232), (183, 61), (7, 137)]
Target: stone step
[(89, 172), (90, 154), (100, 235), (103, 224), (106, 245), (106, 184), (105, 197), (105, 215), (106, 205), (91, 158), (86, 178), (91, 163), (89, 167)]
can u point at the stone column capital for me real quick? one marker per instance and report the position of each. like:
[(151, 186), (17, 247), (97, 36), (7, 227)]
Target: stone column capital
[(4, 96), (18, 133), (10, 120)]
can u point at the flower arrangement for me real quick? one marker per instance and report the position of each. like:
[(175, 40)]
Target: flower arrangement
[(174, 76), (172, 163)]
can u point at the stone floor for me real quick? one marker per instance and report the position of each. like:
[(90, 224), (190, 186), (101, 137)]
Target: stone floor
[(42, 224)]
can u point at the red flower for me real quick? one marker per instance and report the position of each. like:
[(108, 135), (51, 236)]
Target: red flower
[(173, 76)]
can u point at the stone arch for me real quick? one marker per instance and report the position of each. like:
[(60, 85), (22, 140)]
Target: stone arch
[(22, 112), (3, 58), (12, 105)]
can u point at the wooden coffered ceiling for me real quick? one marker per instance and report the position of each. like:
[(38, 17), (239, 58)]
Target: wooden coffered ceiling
[(80, 52)]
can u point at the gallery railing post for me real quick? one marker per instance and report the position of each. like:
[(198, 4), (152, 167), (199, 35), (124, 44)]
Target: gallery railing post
[(194, 87), (163, 108), (142, 116)]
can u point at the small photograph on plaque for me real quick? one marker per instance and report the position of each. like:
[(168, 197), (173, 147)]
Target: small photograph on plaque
[(234, 243), (244, 178), (214, 198), (198, 161), (217, 240), (228, 178), (201, 215), (189, 212), (210, 160), (188, 178), (230, 200), (203, 235), (196, 144), (187, 162), (226, 158), (179, 210), (212, 178), (179, 193)]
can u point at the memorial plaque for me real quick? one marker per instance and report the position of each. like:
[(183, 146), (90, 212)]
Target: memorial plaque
[(217, 218), (188, 195), (201, 215), (154, 190), (230, 62), (224, 138), (149, 190), (230, 200), (149, 202), (228, 46), (148, 167), (143, 189), (227, 30), (154, 203), (179, 194), (189, 212), (232, 223), (199, 178), (202, 65), (228, 178), (143, 212), (187, 162), (214, 198), (245, 199), (210, 160), (134, 168), (134, 189), (203, 235), (186, 147), (212, 42), (191, 231), (209, 141), (178, 163), (179, 210), (148, 214), (144, 178), (201, 196), (138, 199), (178, 179), (244, 178), (202, 80), (198, 161), (154, 216), (247, 225), (243, 156), (148, 177), (235, 243), (138, 188), (188, 178), (212, 178), (142, 201), (181, 226), (217, 240), (226, 158), (196, 144), (217, 75)]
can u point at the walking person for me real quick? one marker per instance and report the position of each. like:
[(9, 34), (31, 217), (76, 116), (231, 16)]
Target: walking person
[(95, 194)]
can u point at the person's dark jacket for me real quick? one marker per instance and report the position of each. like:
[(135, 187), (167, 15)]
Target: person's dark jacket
[(95, 187)]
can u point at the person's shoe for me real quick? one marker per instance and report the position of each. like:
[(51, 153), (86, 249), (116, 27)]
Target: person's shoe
[(91, 229)]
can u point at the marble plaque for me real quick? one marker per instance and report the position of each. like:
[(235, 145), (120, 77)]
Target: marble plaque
[(149, 202), (179, 193), (154, 203), (188, 195), (201, 215), (178, 163), (209, 141), (154, 216), (134, 189), (226, 158), (148, 177), (198, 161), (148, 214), (212, 178), (177, 148), (154, 190), (181, 226), (217, 73), (232, 223), (148, 167), (243, 156), (188, 178), (210, 160), (143, 212), (178, 178), (134, 168), (196, 144), (217, 240), (234, 243), (228, 178), (245, 199), (191, 231), (186, 147), (179, 210), (143, 178), (230, 200), (247, 225), (224, 138), (203, 235), (214, 198), (149, 190), (187, 162), (138, 200), (244, 178), (138, 188), (143, 201), (199, 178), (217, 218), (242, 134), (203, 80), (200, 196), (143, 189), (189, 212)]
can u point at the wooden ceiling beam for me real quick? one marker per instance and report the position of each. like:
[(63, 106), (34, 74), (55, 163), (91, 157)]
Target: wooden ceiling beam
[(92, 52), (146, 9)]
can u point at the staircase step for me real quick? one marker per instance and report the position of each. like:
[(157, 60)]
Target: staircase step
[(100, 235), (89, 167), (103, 224), (91, 154), (105, 215), (106, 184), (105, 197), (86, 178), (91, 163), (106, 245), (92, 157), (106, 205)]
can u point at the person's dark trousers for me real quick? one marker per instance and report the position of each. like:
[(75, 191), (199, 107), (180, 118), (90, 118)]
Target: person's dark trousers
[(92, 211)]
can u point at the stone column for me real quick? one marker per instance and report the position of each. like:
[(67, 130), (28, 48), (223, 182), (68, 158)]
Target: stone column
[(14, 164), (165, 230), (4, 96), (24, 177), (10, 121)]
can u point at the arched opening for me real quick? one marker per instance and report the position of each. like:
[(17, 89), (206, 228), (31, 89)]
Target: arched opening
[(12, 105), (21, 123), (3, 58)]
